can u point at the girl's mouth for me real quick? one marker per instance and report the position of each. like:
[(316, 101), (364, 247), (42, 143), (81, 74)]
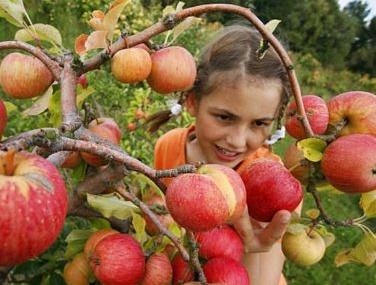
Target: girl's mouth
[(225, 155)]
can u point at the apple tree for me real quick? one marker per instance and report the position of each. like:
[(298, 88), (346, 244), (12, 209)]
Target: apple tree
[(75, 166)]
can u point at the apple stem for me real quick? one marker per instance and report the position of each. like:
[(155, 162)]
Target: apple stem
[(9, 162), (294, 166)]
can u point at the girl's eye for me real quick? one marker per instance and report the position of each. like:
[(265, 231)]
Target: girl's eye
[(223, 117), (261, 123)]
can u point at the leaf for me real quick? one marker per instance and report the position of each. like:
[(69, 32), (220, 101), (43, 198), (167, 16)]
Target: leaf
[(272, 25), (96, 39), (54, 109), (10, 107), (329, 239), (326, 187), (99, 223), (168, 10), (368, 203), (139, 223), (111, 206), (296, 228), (79, 44), (313, 213), (13, 11), (183, 26), (40, 105), (312, 148), (43, 32), (364, 252), (82, 94), (112, 16), (79, 173), (76, 242)]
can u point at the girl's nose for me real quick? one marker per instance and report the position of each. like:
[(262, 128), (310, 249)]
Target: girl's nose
[(237, 140)]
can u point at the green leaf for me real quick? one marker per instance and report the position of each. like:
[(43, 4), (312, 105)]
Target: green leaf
[(79, 173), (329, 239), (272, 25), (111, 206), (99, 223), (296, 228), (82, 94), (139, 223), (40, 105), (76, 235), (326, 187), (76, 242), (54, 109), (41, 32), (312, 148), (10, 107), (13, 11), (313, 213), (364, 252), (368, 203)]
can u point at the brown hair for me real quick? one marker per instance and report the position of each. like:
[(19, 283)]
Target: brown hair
[(233, 52)]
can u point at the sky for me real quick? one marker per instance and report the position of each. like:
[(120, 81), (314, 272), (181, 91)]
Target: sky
[(371, 5)]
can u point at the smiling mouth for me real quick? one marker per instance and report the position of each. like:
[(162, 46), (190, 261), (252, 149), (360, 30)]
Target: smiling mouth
[(226, 152)]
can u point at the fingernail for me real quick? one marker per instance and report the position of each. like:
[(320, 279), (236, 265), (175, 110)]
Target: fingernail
[(286, 218)]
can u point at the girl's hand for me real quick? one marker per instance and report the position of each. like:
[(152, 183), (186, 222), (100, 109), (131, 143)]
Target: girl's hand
[(258, 236)]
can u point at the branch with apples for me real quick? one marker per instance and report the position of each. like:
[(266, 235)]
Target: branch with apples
[(177, 226)]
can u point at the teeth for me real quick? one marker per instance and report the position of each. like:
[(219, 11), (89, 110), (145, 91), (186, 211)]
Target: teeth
[(225, 152)]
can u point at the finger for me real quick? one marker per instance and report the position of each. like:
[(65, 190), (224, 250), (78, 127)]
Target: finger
[(276, 228), (244, 228)]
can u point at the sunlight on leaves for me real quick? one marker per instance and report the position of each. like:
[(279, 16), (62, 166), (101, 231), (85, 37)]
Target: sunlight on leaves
[(54, 109), (40, 105), (368, 203), (41, 32), (10, 107), (83, 93), (139, 224), (13, 12), (312, 148), (312, 213), (112, 16), (97, 39)]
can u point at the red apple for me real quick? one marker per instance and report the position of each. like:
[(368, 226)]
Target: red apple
[(222, 241), (158, 270), (105, 128), (23, 76), (206, 199), (181, 270), (73, 160), (270, 188), (82, 80), (3, 118), (131, 65), (78, 271), (173, 69), (226, 270), (131, 127), (95, 238), (33, 203), (143, 46), (117, 260), (357, 109), (349, 163), (165, 219), (317, 114), (295, 162)]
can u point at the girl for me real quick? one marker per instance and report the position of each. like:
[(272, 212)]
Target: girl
[(236, 99)]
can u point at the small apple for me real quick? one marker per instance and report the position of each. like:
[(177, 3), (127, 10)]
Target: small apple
[(139, 114), (82, 80), (23, 76), (158, 270), (222, 241), (349, 163), (33, 203), (3, 118), (117, 260), (165, 219), (131, 65), (182, 272), (78, 271), (317, 114), (304, 248), (131, 127), (203, 200), (73, 160), (296, 163), (173, 69), (357, 109), (95, 238), (270, 188), (105, 128), (226, 270)]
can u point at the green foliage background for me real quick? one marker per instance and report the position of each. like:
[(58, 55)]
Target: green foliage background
[(120, 101)]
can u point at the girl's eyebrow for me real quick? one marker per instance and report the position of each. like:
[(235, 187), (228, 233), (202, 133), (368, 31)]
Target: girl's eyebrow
[(231, 114)]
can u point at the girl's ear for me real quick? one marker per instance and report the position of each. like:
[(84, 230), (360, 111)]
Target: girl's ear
[(191, 103)]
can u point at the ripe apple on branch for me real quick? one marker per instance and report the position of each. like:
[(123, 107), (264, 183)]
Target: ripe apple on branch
[(118, 258)]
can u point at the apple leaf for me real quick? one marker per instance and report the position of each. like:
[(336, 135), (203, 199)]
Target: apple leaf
[(174, 229), (42, 32), (79, 44), (76, 242), (296, 228), (312, 148), (111, 206), (364, 252), (263, 48), (329, 239), (13, 11), (368, 203), (96, 39), (10, 107), (312, 213), (183, 26), (55, 109), (111, 17), (272, 25), (82, 94), (139, 224), (40, 105), (326, 187), (97, 21), (171, 10), (99, 223)]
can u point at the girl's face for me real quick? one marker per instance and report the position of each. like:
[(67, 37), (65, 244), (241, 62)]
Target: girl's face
[(234, 120)]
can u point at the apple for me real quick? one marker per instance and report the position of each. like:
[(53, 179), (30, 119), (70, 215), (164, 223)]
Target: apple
[(105, 128), (222, 241), (173, 69), (165, 219), (131, 127), (73, 160), (118, 259), (139, 114), (131, 65), (95, 238), (23, 76), (182, 272), (270, 188), (349, 163), (158, 270), (77, 272), (3, 118), (33, 203), (357, 109), (201, 201), (295, 162), (317, 114), (143, 46), (304, 248), (82, 80), (226, 270)]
